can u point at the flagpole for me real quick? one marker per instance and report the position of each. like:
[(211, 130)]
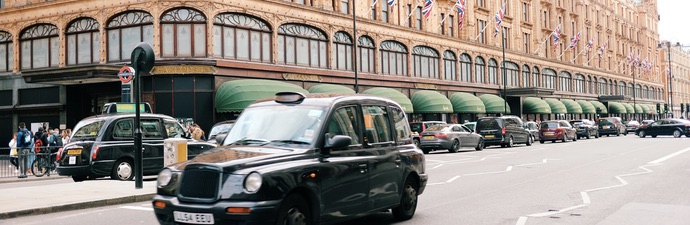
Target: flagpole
[(411, 11), (578, 54), (371, 8), (444, 18), (543, 42), (480, 32)]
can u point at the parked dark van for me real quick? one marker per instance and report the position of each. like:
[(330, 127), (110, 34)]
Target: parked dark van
[(611, 126), (505, 131), (103, 146), (336, 158)]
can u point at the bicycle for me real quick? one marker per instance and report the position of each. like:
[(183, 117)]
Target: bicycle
[(43, 163)]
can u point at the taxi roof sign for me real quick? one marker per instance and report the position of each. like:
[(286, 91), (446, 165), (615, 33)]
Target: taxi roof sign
[(124, 107)]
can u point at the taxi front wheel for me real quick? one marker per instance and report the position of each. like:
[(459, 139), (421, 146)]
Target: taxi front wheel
[(123, 170), (408, 201), (294, 211)]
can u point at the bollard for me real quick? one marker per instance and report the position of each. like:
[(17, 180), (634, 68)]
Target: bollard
[(174, 150)]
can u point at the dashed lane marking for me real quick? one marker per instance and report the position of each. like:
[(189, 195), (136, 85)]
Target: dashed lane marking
[(137, 208)]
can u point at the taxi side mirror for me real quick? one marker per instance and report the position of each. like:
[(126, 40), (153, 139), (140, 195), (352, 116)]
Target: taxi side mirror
[(335, 142)]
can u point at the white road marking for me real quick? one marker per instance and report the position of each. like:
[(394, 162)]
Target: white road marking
[(452, 179), (542, 162), (494, 172), (669, 156), (521, 221), (81, 213), (437, 166), (137, 208), (557, 212), (585, 197)]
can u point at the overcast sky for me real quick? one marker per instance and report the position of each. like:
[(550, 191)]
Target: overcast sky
[(674, 20)]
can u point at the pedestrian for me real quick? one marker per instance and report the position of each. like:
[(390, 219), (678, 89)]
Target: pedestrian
[(197, 133), (64, 136), (24, 144), (54, 140), (13, 153)]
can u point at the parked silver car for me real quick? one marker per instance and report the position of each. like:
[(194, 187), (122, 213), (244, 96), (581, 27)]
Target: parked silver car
[(451, 137)]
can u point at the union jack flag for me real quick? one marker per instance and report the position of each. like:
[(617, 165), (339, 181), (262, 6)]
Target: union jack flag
[(668, 69), (644, 63), (590, 43), (499, 19), (630, 57), (573, 41), (460, 6), (637, 59), (650, 66), (391, 3), (427, 8), (556, 36)]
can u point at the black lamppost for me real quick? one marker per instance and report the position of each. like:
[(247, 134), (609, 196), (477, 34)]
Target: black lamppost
[(670, 77), (142, 61), (354, 49), (503, 45)]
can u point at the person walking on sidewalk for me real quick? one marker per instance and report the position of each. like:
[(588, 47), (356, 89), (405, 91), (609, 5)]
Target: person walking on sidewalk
[(13, 152), (24, 140)]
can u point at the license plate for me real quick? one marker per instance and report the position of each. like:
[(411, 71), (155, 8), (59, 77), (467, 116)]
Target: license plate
[(193, 218), (429, 137), (548, 133), (74, 152), (489, 136), (606, 127), (72, 160)]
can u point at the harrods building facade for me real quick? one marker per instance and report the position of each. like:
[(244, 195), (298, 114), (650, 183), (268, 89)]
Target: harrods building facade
[(59, 59)]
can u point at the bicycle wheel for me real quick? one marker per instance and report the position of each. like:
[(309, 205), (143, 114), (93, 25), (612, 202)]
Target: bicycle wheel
[(39, 166)]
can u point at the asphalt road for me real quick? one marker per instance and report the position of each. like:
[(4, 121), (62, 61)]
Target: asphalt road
[(606, 181)]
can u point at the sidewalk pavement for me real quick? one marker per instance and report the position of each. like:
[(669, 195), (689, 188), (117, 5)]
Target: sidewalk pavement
[(50, 198)]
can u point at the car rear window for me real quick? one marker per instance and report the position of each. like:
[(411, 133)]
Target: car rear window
[(416, 127), (437, 127), (487, 124), (606, 121), (547, 125), (576, 123)]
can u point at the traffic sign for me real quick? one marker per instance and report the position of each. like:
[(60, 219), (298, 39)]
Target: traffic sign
[(126, 74)]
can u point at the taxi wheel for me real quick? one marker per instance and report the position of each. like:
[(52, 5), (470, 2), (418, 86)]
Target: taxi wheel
[(78, 178), (530, 140), (294, 211), (510, 142), (408, 201), (677, 134), (541, 141), (642, 134), (123, 170), (416, 141), (480, 145), (454, 147)]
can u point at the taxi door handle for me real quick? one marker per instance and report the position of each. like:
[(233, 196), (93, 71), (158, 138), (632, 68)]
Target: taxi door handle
[(363, 168)]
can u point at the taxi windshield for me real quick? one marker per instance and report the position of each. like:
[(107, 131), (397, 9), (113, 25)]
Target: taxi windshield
[(281, 125), (87, 130)]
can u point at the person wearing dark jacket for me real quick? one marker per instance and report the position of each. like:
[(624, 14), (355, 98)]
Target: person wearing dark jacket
[(24, 143)]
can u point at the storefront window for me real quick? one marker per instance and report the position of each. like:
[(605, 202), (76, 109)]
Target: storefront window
[(40, 47), (296, 41), (342, 47), (425, 62), (366, 54), (125, 31), (6, 52), (393, 58), (230, 32), (83, 42), (183, 34)]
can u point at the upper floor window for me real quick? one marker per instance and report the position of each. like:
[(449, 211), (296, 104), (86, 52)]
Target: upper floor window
[(535, 77), (548, 79), (125, 31), (425, 62), (525, 76), (183, 33), (384, 11), (344, 6), (40, 47), (525, 11), (302, 45), (449, 65), (579, 83), (241, 37), (480, 3), (564, 81), (493, 71), (366, 53), (83, 42), (6, 52), (418, 16), (342, 44), (512, 77), (482, 36), (393, 58), (465, 67), (479, 70)]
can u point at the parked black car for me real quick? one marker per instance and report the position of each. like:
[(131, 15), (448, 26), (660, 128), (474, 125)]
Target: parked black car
[(585, 128), (103, 146), (611, 126), (675, 127), (337, 157), (505, 131), (533, 128)]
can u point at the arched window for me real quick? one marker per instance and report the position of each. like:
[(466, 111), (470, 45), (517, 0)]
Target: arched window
[(525, 76), (183, 33), (449, 65), (603, 86), (366, 54), (479, 70), (612, 88), (465, 68), (535, 77), (621, 89), (425, 62), (393, 58), (512, 74), (230, 32), (588, 85), (125, 31), (595, 86), (579, 83), (40, 47), (6, 52), (645, 92), (83, 42), (548, 79), (564, 81), (493, 71), (342, 47), (302, 45), (638, 91)]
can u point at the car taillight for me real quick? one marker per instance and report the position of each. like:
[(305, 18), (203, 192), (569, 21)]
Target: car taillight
[(559, 130), (441, 135), (503, 131), (94, 153), (59, 154)]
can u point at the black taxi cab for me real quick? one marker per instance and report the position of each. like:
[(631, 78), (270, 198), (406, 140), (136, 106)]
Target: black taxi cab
[(297, 159), (103, 146)]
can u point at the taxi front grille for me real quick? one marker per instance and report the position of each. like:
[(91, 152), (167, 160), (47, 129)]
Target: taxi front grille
[(200, 184)]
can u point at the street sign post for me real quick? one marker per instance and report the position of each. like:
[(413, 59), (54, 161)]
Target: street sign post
[(142, 61), (126, 75)]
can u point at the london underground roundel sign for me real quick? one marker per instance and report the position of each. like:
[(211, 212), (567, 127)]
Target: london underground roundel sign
[(126, 74)]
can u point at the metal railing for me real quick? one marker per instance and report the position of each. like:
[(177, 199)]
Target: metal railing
[(39, 164)]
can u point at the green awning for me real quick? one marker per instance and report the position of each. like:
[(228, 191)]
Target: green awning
[(572, 106), (587, 107), (494, 104), (391, 94), (600, 106), (466, 103), (557, 107), (638, 108), (628, 108), (235, 95), (617, 108), (426, 101), (532, 105), (645, 108), (330, 88)]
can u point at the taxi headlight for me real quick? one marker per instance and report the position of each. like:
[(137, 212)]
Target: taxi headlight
[(164, 177), (252, 182)]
